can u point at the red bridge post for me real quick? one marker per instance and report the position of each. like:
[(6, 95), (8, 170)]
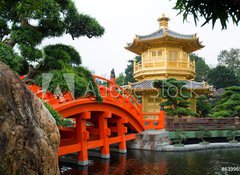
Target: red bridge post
[(121, 132), (104, 132), (82, 137)]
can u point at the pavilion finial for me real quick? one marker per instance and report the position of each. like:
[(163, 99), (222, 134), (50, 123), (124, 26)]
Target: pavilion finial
[(112, 74), (163, 21)]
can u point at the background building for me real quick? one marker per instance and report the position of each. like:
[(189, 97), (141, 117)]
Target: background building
[(164, 54)]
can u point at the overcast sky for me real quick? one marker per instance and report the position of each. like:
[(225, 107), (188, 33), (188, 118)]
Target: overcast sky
[(123, 19)]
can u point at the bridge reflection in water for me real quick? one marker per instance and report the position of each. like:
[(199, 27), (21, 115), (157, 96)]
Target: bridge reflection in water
[(120, 164), (138, 162)]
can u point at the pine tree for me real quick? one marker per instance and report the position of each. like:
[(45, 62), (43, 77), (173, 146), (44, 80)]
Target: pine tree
[(175, 97)]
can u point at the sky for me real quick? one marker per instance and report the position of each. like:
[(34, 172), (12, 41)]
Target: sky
[(124, 19)]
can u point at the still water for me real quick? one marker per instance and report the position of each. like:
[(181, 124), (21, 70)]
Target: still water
[(137, 162)]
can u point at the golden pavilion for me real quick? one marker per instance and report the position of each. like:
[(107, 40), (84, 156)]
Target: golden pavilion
[(164, 54)]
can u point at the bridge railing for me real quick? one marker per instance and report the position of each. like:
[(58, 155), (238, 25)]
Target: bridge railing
[(113, 90), (194, 124)]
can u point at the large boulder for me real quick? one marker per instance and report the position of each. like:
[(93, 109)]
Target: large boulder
[(29, 137)]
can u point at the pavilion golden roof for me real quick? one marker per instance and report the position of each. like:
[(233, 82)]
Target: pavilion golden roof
[(164, 38)]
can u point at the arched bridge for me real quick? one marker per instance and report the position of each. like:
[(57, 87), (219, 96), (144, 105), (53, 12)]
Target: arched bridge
[(115, 120)]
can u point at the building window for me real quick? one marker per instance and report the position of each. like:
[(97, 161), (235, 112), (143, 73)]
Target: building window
[(185, 57), (160, 53), (154, 54), (150, 100), (173, 55), (144, 57), (153, 104)]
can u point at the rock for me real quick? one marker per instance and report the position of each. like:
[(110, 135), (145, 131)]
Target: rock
[(29, 137), (150, 140)]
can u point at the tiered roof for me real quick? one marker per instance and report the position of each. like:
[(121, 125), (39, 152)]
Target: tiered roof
[(164, 38)]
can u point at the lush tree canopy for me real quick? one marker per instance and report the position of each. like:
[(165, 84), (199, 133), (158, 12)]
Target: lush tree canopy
[(229, 104), (203, 106), (210, 10), (9, 57), (26, 23), (129, 71), (202, 69), (176, 97), (222, 77), (84, 84), (56, 57), (230, 59), (120, 80)]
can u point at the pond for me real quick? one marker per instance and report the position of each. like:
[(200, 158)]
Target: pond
[(138, 162)]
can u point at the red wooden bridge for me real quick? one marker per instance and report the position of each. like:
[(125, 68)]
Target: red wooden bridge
[(115, 120)]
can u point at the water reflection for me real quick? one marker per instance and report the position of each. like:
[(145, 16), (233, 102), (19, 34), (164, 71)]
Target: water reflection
[(138, 162)]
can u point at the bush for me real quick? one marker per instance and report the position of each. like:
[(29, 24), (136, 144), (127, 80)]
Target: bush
[(58, 117), (179, 138), (83, 82), (229, 104), (9, 57), (222, 114)]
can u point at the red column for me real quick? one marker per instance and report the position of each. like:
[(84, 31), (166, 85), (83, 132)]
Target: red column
[(104, 133), (161, 119), (121, 132), (82, 137)]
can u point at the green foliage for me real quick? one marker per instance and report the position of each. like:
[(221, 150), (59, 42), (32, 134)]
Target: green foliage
[(58, 56), (232, 135), (203, 106), (176, 97), (230, 59), (120, 79), (129, 71), (202, 69), (80, 24), (203, 133), (84, 85), (4, 30), (229, 104), (216, 75), (179, 137), (222, 114), (30, 53), (58, 118), (26, 23), (210, 10), (9, 57)]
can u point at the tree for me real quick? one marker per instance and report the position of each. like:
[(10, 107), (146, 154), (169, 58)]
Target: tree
[(203, 106), (230, 59), (210, 10), (120, 79), (26, 23), (203, 133), (176, 97), (202, 69), (222, 77), (84, 85), (9, 57), (56, 57), (232, 134), (179, 138), (129, 71), (229, 104)]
